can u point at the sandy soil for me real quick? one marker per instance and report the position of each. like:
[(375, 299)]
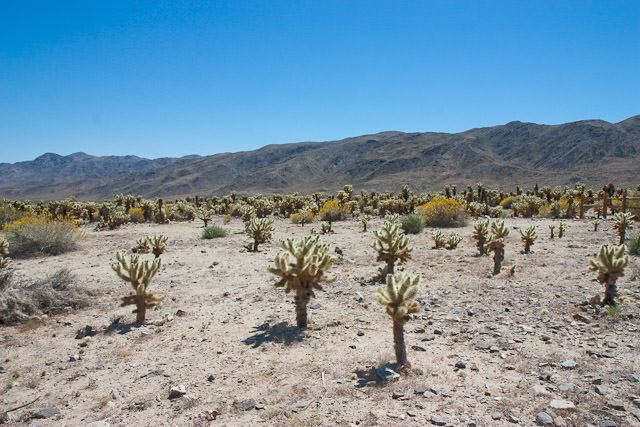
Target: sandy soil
[(231, 337)]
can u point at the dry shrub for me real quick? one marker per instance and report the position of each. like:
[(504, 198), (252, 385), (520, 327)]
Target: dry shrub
[(35, 235), (20, 302)]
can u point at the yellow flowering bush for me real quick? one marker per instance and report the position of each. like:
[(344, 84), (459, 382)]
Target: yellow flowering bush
[(443, 212), (136, 214), (507, 201), (302, 218), (331, 210), (38, 234)]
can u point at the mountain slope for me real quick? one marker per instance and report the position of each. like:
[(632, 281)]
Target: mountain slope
[(592, 151)]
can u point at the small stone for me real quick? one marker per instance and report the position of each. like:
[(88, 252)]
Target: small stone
[(45, 413), (460, 365), (600, 390), (483, 345), (438, 421), (569, 364), (428, 338), (539, 390), (614, 404), (398, 394), (360, 332), (86, 331), (385, 373), (74, 358), (559, 422), (632, 378), (565, 387), (513, 419), (607, 423), (438, 331), (177, 391), (561, 404), (636, 413), (420, 390), (496, 416), (412, 413), (114, 394), (418, 348), (211, 378), (636, 401), (596, 381), (245, 405), (544, 419)]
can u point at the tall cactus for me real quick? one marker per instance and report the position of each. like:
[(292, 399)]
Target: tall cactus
[(139, 274), (622, 224), (4, 251), (528, 237), (610, 266), (260, 230), (481, 235), (158, 244), (391, 245), (496, 243), (301, 268), (561, 229), (401, 287)]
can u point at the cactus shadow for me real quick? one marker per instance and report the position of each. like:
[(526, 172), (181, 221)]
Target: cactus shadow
[(121, 328), (377, 376), (280, 332)]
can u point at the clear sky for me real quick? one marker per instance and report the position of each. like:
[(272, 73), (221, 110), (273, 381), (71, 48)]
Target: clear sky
[(160, 78)]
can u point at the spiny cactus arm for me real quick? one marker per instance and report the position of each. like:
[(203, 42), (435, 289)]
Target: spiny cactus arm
[(499, 229), (611, 260), (400, 288), (128, 268), (4, 247)]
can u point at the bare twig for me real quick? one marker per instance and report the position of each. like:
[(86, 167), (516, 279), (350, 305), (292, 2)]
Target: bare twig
[(23, 405)]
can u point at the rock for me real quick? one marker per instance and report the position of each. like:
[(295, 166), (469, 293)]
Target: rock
[(74, 358), (438, 331), (596, 381), (411, 413), (245, 405), (539, 390), (360, 332), (420, 390), (483, 345), (527, 329), (177, 391), (101, 423), (636, 413), (460, 365), (569, 364), (636, 401), (632, 378), (561, 404), (114, 394), (607, 423), (513, 419), (581, 318), (45, 413), (418, 348), (496, 416), (86, 331), (600, 390), (428, 338), (385, 373), (211, 378), (559, 422), (438, 421), (398, 394), (544, 419), (614, 404), (565, 387)]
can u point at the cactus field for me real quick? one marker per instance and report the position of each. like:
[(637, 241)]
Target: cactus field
[(492, 335)]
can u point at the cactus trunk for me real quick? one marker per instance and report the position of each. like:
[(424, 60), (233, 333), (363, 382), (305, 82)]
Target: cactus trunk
[(390, 266), (610, 293), (498, 257), (301, 309), (255, 246), (141, 309), (398, 343)]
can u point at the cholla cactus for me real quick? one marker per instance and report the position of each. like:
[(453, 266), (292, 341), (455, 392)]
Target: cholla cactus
[(401, 287), (4, 251), (610, 266), (158, 244), (325, 227), (596, 222), (481, 234), (622, 224), (438, 238), (561, 229), (139, 274), (204, 214), (141, 247), (301, 269), (391, 245), (496, 244), (551, 229), (454, 239), (528, 237), (247, 212), (365, 220), (392, 217), (260, 230)]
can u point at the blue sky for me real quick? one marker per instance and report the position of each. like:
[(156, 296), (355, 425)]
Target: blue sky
[(160, 78)]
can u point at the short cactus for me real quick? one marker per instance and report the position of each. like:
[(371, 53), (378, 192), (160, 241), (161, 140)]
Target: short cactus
[(141, 247), (325, 227), (496, 244), (260, 230), (481, 235), (365, 220), (401, 287), (622, 224), (139, 274), (438, 239), (561, 229), (610, 266), (205, 215), (301, 268), (528, 237), (596, 222), (391, 246), (552, 227), (158, 244), (454, 239), (4, 251)]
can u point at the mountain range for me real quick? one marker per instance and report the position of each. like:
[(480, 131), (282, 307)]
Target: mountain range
[(593, 152)]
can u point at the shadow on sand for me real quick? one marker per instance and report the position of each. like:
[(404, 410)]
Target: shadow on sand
[(280, 332)]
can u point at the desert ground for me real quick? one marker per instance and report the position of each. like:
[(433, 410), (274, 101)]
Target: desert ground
[(484, 350)]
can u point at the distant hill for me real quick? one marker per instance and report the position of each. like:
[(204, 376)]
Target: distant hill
[(594, 152)]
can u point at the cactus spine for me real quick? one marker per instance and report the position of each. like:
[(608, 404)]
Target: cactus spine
[(528, 237), (139, 274), (391, 246), (4, 251), (610, 266), (260, 230), (622, 223), (401, 287), (481, 235), (496, 244), (301, 268)]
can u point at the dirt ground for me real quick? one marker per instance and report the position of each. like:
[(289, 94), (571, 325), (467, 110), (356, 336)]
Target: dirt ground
[(229, 337)]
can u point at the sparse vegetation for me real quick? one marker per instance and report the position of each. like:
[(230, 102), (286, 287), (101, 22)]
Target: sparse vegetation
[(623, 222), (391, 246), (412, 223), (610, 266), (528, 237), (260, 230), (42, 234), (213, 232), (443, 212)]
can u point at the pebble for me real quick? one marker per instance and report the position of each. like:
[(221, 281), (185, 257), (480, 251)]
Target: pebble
[(398, 394), (561, 404), (245, 405), (211, 378), (607, 423), (569, 364), (483, 345), (544, 419), (539, 390), (438, 421), (418, 348), (565, 387), (177, 391), (460, 365), (600, 390), (496, 416), (513, 419), (614, 404), (632, 378), (428, 338)]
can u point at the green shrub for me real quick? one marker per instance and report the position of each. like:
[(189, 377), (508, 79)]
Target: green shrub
[(213, 232), (35, 235), (412, 223)]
